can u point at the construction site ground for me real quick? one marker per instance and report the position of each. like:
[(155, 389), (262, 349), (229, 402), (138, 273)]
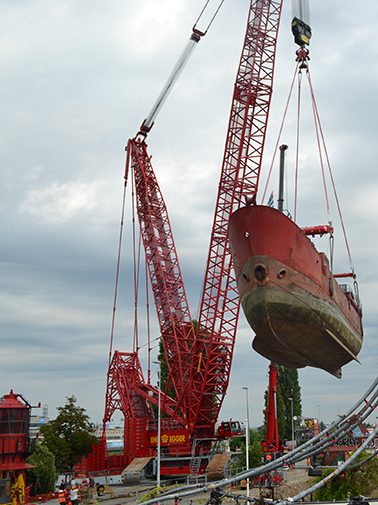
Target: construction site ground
[(119, 494)]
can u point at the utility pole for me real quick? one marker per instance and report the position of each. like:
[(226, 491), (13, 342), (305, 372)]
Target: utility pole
[(292, 422), (159, 429), (247, 438)]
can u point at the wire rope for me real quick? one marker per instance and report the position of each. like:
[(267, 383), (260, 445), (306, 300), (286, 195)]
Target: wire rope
[(118, 258), (331, 174), (148, 326), (317, 128), (297, 146), (136, 267), (136, 296), (279, 135), (322, 148), (176, 71), (211, 20)]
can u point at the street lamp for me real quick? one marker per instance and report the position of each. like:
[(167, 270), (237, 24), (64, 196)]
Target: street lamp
[(319, 417), (159, 428), (292, 423), (247, 438)]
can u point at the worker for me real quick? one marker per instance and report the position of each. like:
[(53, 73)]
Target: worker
[(92, 484), (62, 497), (73, 495)]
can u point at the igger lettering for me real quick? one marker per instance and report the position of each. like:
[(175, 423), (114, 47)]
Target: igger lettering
[(176, 438), (171, 439)]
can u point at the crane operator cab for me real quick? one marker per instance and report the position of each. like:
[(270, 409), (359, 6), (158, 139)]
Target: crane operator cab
[(228, 429), (300, 25)]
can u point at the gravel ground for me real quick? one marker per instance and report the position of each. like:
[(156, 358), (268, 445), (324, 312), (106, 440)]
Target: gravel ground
[(297, 481), (119, 494)]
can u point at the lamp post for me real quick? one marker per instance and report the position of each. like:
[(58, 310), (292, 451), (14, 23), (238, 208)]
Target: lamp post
[(247, 438), (292, 423), (319, 417), (159, 428)]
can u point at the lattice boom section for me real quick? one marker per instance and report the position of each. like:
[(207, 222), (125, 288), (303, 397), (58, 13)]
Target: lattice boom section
[(158, 242), (239, 181), (165, 274), (124, 374)]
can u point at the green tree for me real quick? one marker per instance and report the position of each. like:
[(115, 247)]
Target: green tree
[(70, 436), (358, 480), (43, 475), (287, 387), (162, 382), (255, 452), (288, 382)]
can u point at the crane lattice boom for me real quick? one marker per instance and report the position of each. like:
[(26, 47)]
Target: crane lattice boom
[(238, 184), (199, 364)]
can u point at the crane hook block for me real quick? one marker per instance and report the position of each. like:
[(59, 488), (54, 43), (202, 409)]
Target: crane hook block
[(301, 31)]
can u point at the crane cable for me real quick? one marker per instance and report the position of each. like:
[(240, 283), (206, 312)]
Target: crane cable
[(211, 20), (321, 144), (137, 258), (148, 326), (330, 172), (317, 130), (119, 257), (279, 135), (183, 59), (297, 149)]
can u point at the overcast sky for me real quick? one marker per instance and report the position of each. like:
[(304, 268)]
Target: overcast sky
[(77, 79)]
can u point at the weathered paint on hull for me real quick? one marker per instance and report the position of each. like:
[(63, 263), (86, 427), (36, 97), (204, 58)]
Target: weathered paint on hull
[(295, 328), (297, 310)]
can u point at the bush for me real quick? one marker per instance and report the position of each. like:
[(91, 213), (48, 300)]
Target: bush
[(255, 452), (43, 475), (358, 480)]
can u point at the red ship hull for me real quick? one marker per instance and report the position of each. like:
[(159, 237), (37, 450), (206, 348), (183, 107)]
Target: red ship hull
[(299, 313)]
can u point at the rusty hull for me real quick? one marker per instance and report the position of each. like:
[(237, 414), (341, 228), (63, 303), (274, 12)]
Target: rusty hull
[(297, 310)]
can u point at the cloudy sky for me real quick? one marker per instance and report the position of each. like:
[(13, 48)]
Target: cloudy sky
[(77, 79)]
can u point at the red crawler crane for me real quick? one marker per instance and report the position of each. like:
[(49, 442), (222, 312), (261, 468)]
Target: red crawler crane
[(198, 364)]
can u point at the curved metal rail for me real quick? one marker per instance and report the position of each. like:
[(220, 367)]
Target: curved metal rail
[(337, 430)]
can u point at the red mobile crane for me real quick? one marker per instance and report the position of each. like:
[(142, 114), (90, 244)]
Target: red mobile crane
[(198, 363), (272, 446)]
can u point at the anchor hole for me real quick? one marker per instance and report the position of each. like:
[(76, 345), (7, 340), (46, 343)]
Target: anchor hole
[(260, 272), (281, 273)]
